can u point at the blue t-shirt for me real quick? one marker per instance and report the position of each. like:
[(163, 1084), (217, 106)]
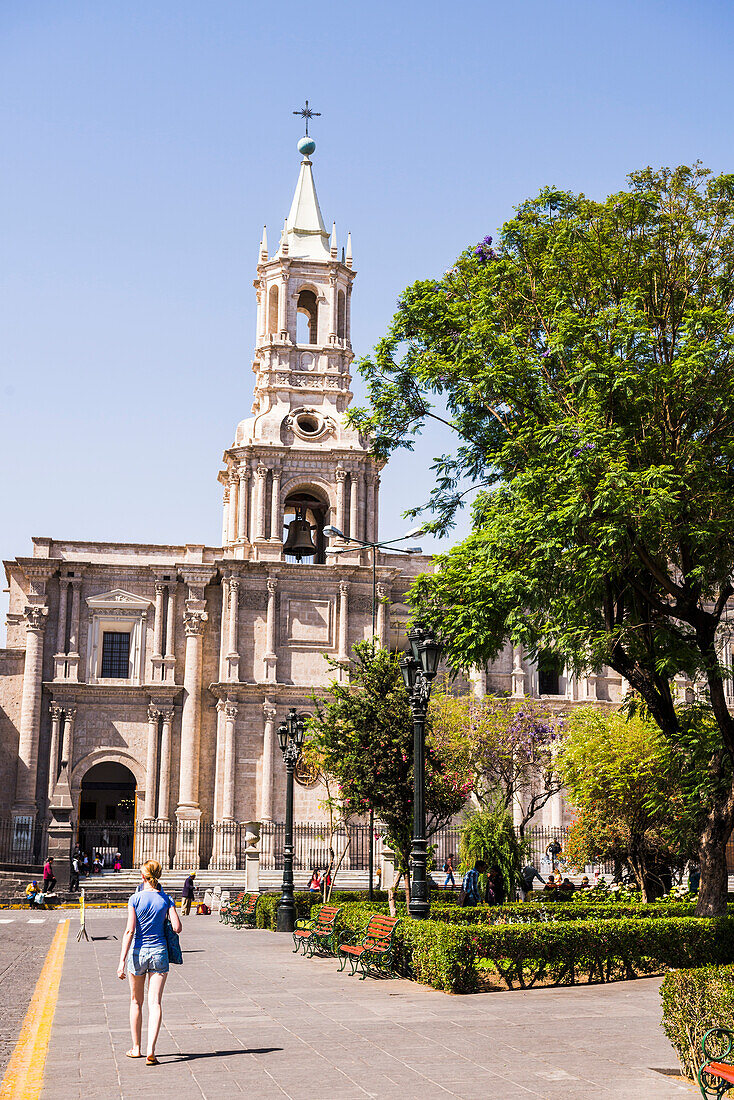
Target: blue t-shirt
[(151, 909)]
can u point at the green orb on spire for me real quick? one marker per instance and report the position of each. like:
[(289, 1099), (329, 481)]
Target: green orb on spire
[(306, 146)]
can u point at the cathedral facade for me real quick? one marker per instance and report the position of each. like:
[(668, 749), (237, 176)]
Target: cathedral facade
[(153, 677)]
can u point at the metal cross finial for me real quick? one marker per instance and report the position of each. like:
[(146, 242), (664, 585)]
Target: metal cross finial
[(307, 113)]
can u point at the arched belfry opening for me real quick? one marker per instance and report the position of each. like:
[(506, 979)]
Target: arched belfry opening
[(305, 515), (107, 813), (307, 318)]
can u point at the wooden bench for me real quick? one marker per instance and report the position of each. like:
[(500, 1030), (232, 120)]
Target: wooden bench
[(241, 912), (319, 934), (375, 951), (715, 1076)]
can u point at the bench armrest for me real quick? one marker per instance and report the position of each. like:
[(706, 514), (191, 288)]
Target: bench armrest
[(717, 1033), (303, 925)]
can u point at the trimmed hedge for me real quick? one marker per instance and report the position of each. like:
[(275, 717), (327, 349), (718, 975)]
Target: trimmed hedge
[(693, 1002), (522, 913), (452, 956)]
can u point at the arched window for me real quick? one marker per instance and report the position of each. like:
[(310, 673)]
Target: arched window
[(307, 318), (341, 315), (305, 541), (273, 310)]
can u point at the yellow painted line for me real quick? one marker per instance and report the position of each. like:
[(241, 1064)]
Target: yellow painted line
[(23, 1078)]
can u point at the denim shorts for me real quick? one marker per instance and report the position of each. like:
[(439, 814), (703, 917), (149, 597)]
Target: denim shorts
[(147, 960)]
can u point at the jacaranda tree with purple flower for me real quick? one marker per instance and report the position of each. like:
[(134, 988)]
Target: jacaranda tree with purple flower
[(586, 364), (507, 749)]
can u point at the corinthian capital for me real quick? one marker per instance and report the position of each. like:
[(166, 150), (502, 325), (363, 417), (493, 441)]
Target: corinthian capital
[(272, 586), (230, 709), (269, 712), (341, 474), (153, 713), (35, 618), (194, 622)]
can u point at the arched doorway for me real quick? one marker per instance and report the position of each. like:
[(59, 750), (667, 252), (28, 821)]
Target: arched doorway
[(107, 813)]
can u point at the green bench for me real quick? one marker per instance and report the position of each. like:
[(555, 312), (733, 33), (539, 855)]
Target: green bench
[(319, 934), (715, 1075), (242, 912), (375, 951)]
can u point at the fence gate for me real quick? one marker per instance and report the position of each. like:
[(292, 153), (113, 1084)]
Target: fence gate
[(100, 838)]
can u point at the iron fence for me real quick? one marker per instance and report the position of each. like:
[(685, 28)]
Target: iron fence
[(21, 840)]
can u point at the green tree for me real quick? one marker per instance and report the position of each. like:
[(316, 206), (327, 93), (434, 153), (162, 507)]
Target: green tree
[(488, 834), (361, 733), (585, 363)]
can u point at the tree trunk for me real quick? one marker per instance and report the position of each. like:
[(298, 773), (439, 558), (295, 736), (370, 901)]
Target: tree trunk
[(391, 894), (712, 895)]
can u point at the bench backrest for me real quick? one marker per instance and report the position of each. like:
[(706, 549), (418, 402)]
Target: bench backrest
[(252, 900), (325, 918), (379, 930)]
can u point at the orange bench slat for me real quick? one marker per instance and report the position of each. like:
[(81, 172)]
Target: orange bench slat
[(720, 1069)]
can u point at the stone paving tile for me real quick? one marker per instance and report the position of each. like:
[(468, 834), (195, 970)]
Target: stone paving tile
[(244, 1016)]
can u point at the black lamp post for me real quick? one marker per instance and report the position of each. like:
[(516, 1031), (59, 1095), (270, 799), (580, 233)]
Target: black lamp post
[(290, 736), (418, 672)]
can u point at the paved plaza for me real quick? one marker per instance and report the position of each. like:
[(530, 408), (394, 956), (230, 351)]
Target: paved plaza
[(244, 1016)]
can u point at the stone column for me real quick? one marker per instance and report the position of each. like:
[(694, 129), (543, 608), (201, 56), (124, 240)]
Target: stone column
[(76, 585), (219, 762), (228, 788), (61, 626), (225, 515), (283, 307), (160, 592), (332, 309), (233, 657), (30, 712), (53, 761), (383, 593), (518, 673), (151, 763), (341, 477), (343, 620), (266, 792), (234, 482), (276, 532), (348, 317), (243, 499), (360, 528), (169, 660), (375, 505), (262, 473), (262, 311), (188, 795), (164, 789), (270, 654), (67, 747), (353, 506)]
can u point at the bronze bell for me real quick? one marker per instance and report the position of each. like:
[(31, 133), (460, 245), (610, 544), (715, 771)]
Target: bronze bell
[(299, 542)]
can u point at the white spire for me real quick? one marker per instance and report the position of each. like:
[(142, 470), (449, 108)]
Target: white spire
[(264, 245), (284, 239), (308, 238), (349, 250), (332, 246)]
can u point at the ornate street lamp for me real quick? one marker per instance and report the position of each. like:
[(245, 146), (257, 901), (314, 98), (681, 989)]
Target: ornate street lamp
[(418, 671), (290, 735)]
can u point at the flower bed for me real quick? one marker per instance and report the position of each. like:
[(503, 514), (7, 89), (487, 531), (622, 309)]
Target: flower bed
[(693, 1002)]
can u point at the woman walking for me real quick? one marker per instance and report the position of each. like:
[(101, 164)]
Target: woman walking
[(147, 911)]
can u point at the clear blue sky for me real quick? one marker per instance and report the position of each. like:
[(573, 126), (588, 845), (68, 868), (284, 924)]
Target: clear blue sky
[(145, 143)]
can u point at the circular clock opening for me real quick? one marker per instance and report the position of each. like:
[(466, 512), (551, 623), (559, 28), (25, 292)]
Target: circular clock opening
[(308, 424)]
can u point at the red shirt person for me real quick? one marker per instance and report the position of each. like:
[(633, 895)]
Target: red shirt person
[(49, 879)]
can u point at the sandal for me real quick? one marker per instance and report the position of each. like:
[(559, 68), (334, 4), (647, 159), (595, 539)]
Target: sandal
[(129, 1054), (151, 1060)]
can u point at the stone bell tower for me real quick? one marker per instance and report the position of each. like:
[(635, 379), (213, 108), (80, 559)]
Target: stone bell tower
[(294, 461)]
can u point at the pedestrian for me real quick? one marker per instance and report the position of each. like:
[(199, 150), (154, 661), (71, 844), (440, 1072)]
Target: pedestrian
[(145, 951), (118, 862), (49, 879), (30, 892), (85, 864), (97, 865), (75, 867), (495, 893), (528, 876), (449, 871), (694, 877), (187, 894), (550, 889), (314, 883), (469, 893), (553, 851)]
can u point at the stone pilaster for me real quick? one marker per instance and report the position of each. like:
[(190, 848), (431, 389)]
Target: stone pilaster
[(270, 660), (341, 477), (234, 482), (57, 715), (383, 596), (343, 620), (232, 590), (151, 762), (67, 746), (188, 798), (260, 487), (164, 788), (30, 712), (243, 499), (266, 789), (169, 658), (275, 523)]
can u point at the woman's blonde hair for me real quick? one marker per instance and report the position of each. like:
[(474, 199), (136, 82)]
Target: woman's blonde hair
[(152, 872)]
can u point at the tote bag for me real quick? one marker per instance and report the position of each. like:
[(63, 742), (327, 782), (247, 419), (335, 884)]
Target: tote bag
[(173, 944)]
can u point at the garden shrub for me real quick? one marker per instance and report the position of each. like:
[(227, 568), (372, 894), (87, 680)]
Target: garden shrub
[(693, 1002), (522, 913)]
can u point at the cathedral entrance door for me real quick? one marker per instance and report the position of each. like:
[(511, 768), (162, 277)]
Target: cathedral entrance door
[(107, 814)]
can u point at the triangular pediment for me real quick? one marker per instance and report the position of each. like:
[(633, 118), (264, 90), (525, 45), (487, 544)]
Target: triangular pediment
[(118, 598)]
